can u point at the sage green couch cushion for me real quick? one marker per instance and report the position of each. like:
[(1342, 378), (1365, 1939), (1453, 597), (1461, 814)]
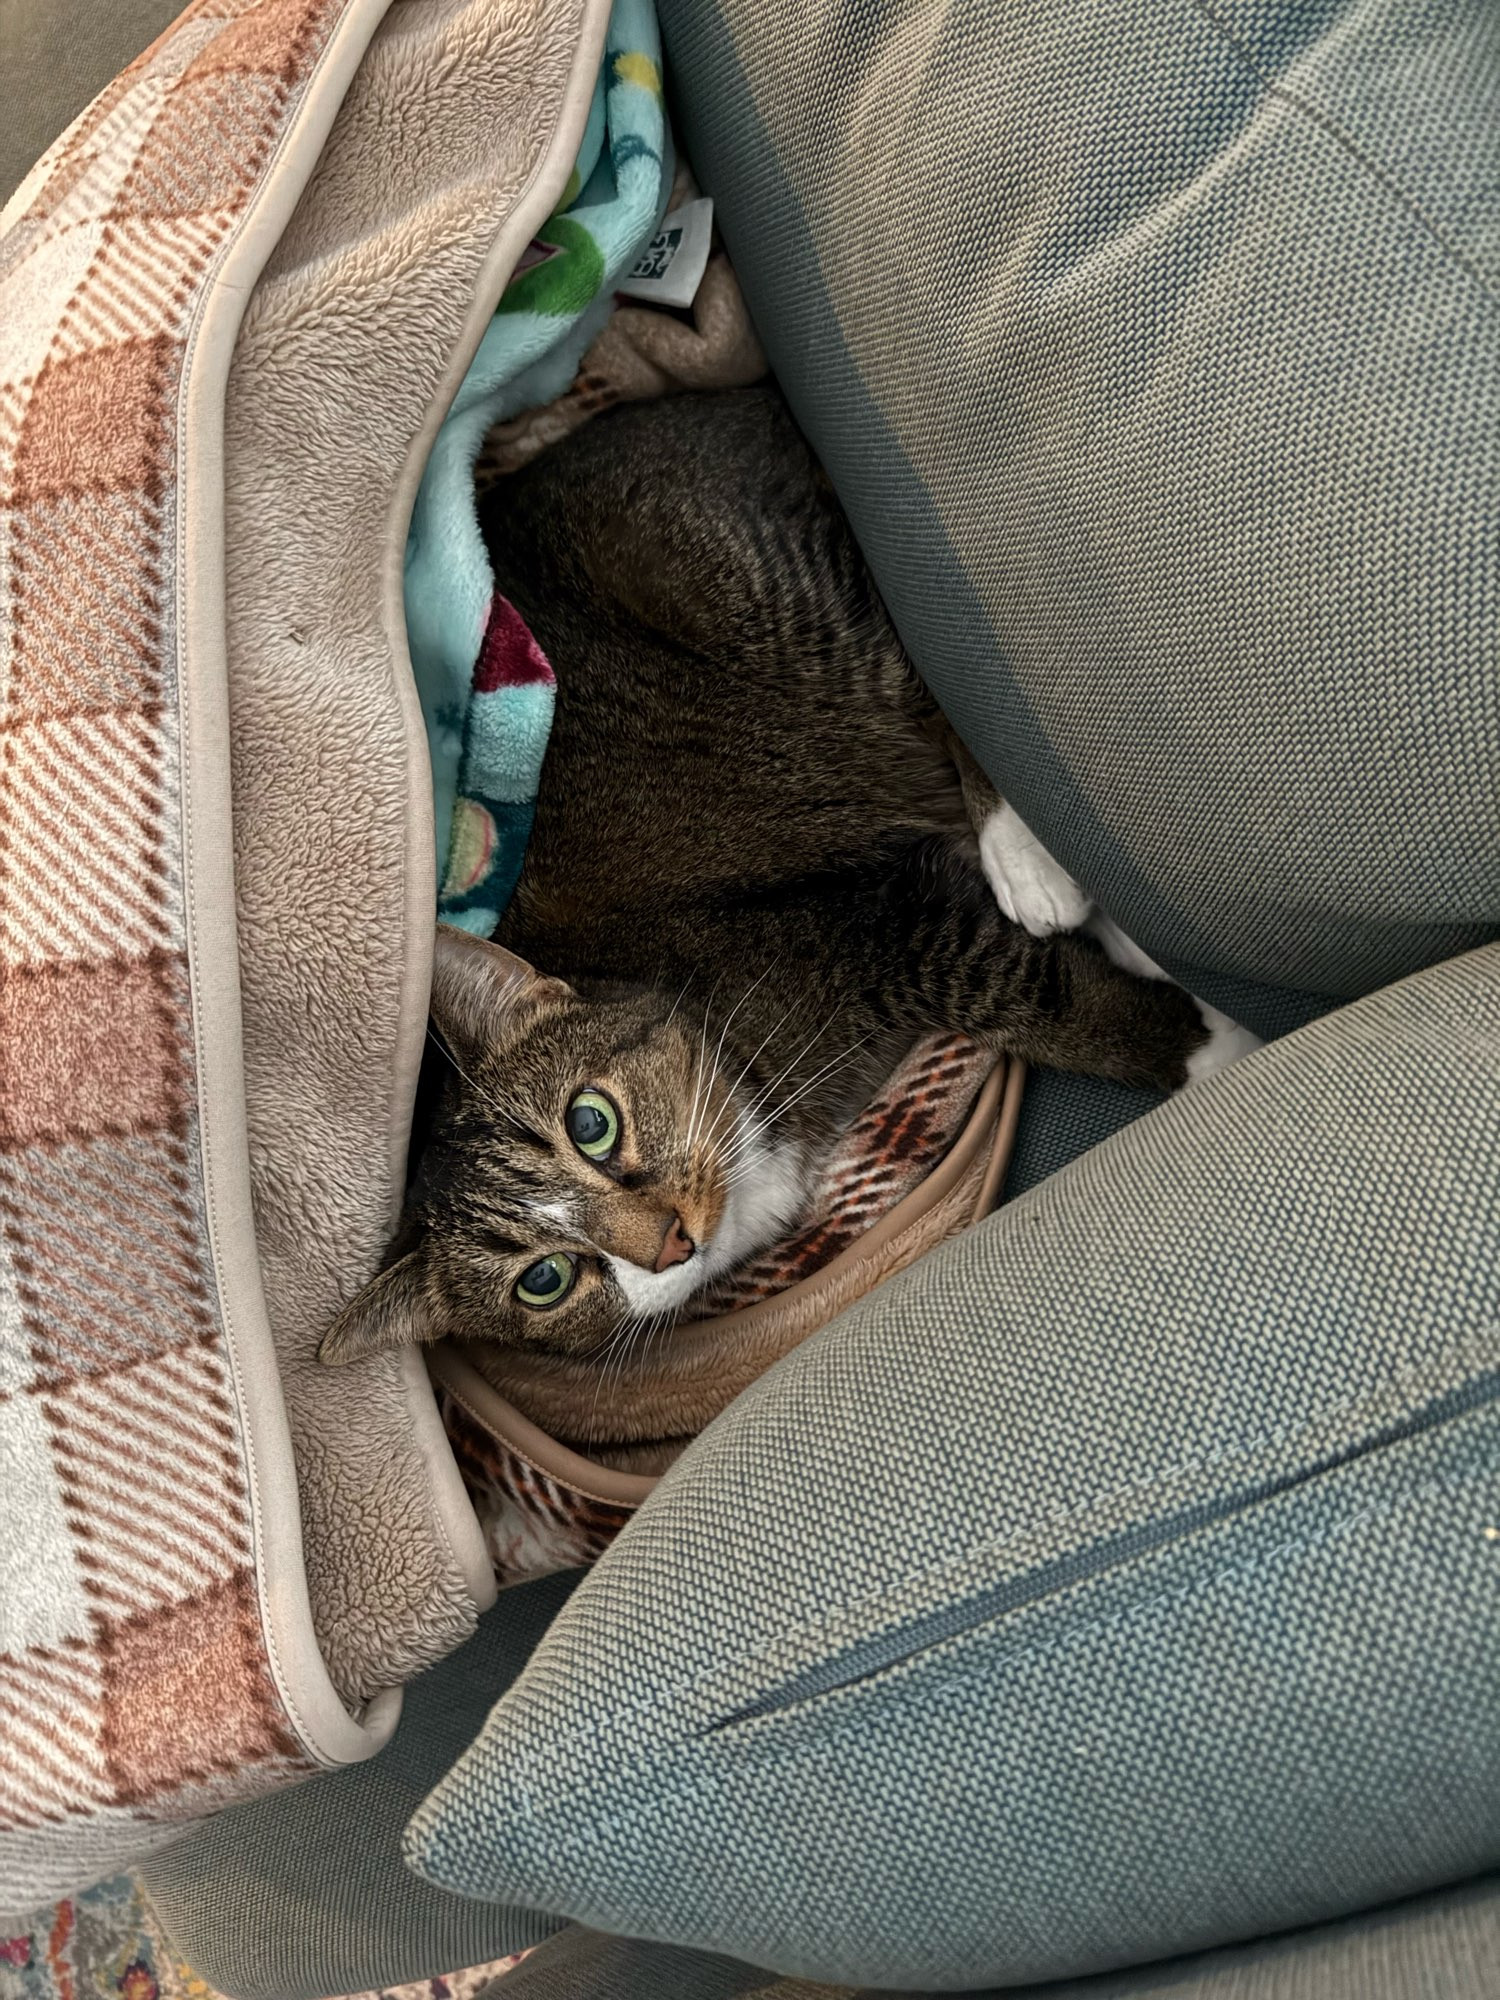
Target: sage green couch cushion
[(1444, 1946), (1121, 1581), (1155, 353)]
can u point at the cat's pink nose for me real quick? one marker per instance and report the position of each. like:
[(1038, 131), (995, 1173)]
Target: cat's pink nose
[(676, 1246)]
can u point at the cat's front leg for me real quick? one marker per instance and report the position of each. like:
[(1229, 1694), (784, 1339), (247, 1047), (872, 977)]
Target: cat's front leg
[(1032, 889), (1227, 1040), (1035, 891)]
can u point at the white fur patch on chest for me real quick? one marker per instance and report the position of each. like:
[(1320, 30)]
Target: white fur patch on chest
[(768, 1192)]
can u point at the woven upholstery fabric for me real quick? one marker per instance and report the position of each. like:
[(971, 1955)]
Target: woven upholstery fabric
[(1118, 1582), (1444, 1946), (1153, 352), (1064, 1115), (127, 1538)]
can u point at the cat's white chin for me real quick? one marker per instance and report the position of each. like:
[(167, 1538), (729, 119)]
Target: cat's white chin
[(767, 1195)]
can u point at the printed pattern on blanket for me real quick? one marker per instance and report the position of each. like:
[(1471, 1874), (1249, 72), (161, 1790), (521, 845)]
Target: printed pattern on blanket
[(487, 733), (534, 1524), (126, 1534), (644, 351)]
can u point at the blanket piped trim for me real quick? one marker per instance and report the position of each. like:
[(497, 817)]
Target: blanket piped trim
[(135, 1686)]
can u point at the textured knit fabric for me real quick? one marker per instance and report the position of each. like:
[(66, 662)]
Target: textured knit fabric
[(305, 1894), (1063, 1116), (1120, 1581), (1154, 353), (1444, 1946), (487, 699)]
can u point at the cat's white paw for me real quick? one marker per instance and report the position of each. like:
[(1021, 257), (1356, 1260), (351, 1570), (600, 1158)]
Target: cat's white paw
[(1031, 888), (1227, 1042)]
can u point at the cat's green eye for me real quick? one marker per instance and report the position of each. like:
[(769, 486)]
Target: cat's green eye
[(547, 1281), (593, 1124)]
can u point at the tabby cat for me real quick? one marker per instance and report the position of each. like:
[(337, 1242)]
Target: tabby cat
[(755, 879)]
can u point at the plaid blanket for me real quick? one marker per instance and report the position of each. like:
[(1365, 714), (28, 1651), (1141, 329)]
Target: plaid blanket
[(127, 1530)]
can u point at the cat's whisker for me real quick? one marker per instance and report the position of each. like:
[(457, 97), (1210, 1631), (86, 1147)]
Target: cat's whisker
[(443, 1050), (639, 1333), (729, 1022), (839, 1062), (620, 1335), (747, 1130), (749, 1062), (600, 1346), (678, 1001), (702, 1059), (842, 1060), (833, 1062), (728, 1104), (703, 1090)]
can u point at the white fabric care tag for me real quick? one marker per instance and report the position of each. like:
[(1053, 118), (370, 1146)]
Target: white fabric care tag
[(671, 267)]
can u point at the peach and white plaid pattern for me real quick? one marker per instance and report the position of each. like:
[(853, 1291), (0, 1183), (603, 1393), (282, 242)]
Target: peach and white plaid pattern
[(134, 1683)]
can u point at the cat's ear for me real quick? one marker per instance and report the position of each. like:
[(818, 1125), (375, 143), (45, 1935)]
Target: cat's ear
[(480, 991), (389, 1312)]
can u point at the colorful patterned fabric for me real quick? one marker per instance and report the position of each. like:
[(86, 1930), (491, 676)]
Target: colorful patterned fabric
[(642, 352), (106, 1944), (506, 726), (486, 702), (533, 1523), (97, 1946), (126, 1536)]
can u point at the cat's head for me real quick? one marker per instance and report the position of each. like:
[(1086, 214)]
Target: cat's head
[(590, 1166)]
